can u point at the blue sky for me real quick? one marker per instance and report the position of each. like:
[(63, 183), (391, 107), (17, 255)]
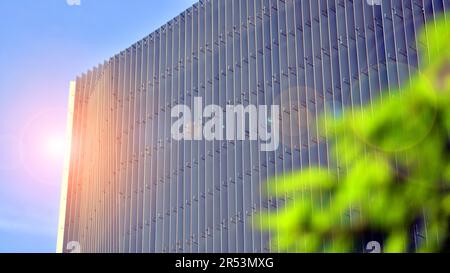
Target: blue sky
[(44, 44)]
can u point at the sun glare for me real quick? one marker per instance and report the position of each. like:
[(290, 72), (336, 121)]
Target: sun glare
[(55, 146)]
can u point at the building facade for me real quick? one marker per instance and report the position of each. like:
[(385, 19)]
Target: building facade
[(131, 187)]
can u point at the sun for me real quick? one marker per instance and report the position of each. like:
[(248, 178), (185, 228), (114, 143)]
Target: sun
[(55, 146)]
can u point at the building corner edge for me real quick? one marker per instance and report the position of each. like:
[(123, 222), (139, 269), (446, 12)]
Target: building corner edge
[(66, 169)]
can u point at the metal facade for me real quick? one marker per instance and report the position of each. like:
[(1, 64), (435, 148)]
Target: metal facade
[(132, 188)]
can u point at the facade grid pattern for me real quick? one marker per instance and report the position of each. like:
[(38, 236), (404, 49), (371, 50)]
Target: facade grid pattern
[(132, 188)]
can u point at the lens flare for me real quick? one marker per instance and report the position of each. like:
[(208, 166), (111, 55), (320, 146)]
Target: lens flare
[(55, 146), (43, 146)]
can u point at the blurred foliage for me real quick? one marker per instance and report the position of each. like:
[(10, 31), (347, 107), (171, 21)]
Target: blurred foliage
[(389, 173)]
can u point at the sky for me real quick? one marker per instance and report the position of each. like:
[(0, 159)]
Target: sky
[(44, 45)]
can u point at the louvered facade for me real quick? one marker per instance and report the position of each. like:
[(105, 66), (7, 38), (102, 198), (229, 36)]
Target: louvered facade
[(132, 188)]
